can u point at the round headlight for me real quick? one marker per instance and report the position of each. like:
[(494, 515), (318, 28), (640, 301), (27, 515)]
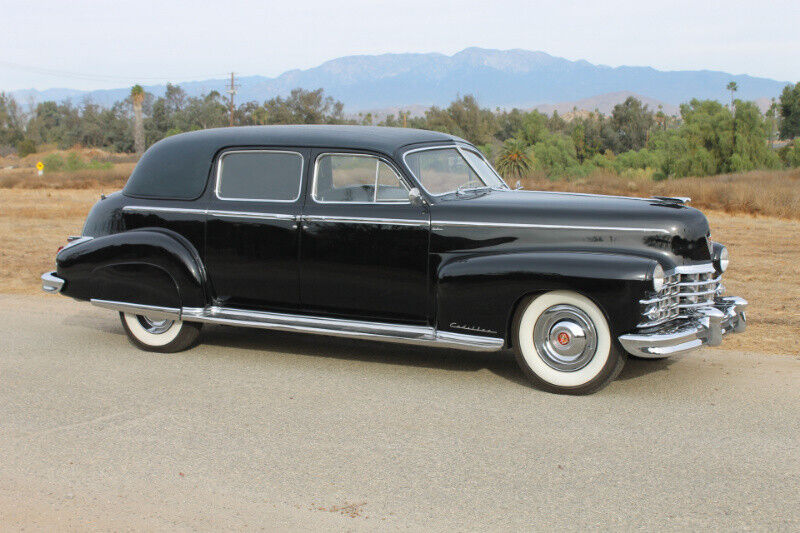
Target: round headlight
[(723, 260), (658, 278)]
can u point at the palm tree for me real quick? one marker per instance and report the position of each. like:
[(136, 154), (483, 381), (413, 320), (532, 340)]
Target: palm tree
[(732, 87), (137, 98), (771, 112), (514, 159)]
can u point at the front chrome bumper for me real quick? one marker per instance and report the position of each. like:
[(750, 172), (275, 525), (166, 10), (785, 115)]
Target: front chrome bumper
[(51, 283), (707, 328)]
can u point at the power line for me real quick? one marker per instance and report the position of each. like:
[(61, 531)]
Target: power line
[(231, 91), (92, 77)]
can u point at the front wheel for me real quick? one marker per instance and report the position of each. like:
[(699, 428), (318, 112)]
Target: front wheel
[(563, 343), (159, 335)]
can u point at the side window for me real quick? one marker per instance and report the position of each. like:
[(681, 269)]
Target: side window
[(356, 178), (259, 175)]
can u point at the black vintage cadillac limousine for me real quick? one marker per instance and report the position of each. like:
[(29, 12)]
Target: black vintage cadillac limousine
[(395, 235)]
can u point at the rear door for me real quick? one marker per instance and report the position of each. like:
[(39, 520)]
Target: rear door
[(252, 236), (364, 251)]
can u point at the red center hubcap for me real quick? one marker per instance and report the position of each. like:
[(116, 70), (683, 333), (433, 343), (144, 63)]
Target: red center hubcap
[(563, 338)]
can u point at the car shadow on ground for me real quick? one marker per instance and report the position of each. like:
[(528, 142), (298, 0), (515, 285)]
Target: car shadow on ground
[(502, 364)]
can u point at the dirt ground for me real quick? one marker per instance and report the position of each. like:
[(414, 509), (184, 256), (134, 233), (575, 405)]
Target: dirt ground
[(764, 259)]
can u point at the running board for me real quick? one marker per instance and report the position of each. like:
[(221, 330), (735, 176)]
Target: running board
[(337, 327)]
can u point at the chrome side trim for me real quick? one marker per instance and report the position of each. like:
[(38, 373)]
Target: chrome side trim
[(150, 311), (543, 226), (378, 331), (51, 283), (158, 209), (218, 176), (212, 212), (250, 214), (365, 220)]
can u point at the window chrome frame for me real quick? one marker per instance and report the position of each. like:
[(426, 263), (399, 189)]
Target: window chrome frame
[(375, 200), (460, 149), (218, 175)]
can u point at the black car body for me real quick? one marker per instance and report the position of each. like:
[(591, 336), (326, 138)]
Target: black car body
[(283, 227)]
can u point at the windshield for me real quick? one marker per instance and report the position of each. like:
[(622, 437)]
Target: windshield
[(446, 170)]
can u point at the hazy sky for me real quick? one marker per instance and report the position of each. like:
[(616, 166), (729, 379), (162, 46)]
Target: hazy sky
[(104, 44)]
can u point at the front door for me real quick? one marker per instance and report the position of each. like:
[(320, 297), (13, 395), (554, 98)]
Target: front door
[(252, 236), (364, 251)]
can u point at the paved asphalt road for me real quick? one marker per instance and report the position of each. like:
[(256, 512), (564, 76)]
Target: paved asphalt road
[(255, 429)]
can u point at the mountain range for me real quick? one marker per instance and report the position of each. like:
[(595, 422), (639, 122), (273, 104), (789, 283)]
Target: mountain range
[(498, 78)]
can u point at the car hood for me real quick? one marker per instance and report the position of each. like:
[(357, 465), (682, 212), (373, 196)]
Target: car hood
[(579, 219)]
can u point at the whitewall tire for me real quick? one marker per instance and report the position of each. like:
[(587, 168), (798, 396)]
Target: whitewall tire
[(563, 343), (158, 335)]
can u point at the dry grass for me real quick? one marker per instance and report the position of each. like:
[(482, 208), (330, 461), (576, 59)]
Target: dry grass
[(764, 251), (92, 178), (20, 173), (770, 193)]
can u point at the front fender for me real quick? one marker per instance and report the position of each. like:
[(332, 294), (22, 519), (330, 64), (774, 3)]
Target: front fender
[(479, 293), (144, 266)]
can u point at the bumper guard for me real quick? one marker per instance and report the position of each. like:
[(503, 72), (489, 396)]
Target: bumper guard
[(51, 283), (707, 328)]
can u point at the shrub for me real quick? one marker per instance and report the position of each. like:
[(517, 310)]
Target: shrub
[(72, 163), (790, 154), (53, 163), (26, 147)]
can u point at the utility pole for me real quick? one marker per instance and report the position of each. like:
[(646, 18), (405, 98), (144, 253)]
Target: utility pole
[(405, 117), (231, 91)]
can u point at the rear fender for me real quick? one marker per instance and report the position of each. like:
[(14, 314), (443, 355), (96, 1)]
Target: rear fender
[(151, 266)]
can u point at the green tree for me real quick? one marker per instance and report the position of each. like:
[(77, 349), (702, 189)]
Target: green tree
[(790, 112), (137, 98), (514, 159), (771, 113), (11, 127), (732, 87), (304, 107), (791, 153), (555, 155), (534, 128), (465, 118), (632, 122)]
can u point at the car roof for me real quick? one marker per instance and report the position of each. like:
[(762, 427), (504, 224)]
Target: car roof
[(178, 166), (376, 138)]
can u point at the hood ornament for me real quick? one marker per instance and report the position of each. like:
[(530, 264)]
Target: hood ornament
[(674, 199)]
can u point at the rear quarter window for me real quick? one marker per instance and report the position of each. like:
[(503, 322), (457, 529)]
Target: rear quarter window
[(262, 175)]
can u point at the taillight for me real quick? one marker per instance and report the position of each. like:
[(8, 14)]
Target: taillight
[(72, 241)]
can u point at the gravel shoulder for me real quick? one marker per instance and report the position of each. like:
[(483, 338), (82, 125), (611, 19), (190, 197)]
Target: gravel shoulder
[(262, 430)]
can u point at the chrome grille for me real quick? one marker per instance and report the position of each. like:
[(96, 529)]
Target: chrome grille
[(685, 290)]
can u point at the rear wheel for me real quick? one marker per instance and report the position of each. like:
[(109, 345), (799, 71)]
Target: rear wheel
[(563, 343), (160, 335)]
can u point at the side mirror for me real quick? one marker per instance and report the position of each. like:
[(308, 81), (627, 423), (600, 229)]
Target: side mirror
[(415, 197), (519, 186)]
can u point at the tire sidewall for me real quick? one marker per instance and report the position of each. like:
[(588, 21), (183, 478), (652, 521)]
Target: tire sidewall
[(603, 367), (179, 336)]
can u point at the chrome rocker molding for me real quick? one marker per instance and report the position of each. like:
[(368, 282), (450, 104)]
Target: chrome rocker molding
[(150, 311), (356, 329), (707, 328), (51, 283)]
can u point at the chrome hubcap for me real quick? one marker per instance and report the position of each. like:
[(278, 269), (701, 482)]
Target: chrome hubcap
[(565, 338), (156, 327)]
